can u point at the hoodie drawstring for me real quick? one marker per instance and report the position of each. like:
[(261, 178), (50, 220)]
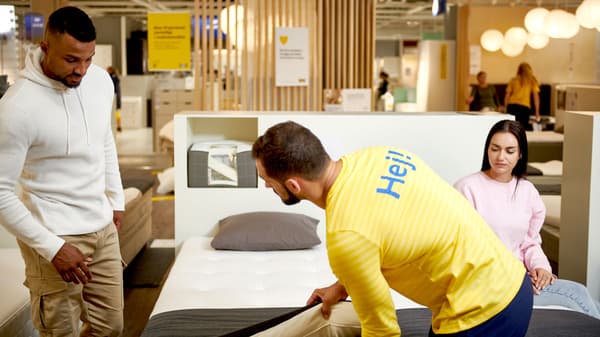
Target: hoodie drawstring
[(85, 121), (68, 122), (68, 114)]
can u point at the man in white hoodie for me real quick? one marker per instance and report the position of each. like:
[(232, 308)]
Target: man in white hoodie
[(60, 187)]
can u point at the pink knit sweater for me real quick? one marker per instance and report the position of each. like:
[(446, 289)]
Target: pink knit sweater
[(514, 210)]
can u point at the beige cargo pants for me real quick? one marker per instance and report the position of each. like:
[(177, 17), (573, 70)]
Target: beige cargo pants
[(58, 307)]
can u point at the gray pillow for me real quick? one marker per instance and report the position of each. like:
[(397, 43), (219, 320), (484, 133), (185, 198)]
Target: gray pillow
[(259, 231)]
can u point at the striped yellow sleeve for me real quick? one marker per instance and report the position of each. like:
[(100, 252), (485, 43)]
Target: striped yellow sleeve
[(356, 262)]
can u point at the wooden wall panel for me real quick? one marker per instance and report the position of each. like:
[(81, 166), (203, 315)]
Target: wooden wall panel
[(349, 40), (341, 42), (462, 58)]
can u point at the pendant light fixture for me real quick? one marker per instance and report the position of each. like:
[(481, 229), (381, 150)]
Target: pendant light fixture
[(491, 40)]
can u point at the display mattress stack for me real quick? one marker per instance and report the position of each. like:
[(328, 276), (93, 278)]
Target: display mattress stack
[(15, 313)]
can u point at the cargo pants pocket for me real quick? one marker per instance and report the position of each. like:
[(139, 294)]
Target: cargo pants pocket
[(55, 307)]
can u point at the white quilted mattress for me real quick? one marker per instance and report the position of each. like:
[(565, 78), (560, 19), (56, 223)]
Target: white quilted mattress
[(552, 203), (202, 277)]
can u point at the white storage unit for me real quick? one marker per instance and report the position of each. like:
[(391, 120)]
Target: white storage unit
[(167, 102), (132, 116), (579, 252)]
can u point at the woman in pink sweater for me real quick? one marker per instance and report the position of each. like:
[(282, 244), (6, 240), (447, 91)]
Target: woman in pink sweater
[(512, 206)]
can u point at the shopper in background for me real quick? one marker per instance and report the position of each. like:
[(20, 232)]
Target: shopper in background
[(57, 150), (383, 84), (391, 223), (114, 76), (513, 208), (483, 96), (519, 92)]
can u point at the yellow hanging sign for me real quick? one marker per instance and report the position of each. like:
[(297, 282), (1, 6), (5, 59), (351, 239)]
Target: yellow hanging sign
[(443, 61), (169, 41)]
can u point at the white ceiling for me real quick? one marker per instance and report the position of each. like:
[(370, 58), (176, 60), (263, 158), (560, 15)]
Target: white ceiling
[(395, 19)]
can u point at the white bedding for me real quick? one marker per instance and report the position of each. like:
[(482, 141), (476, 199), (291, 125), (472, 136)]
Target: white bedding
[(552, 203), (544, 136), (202, 277), (550, 232), (549, 168)]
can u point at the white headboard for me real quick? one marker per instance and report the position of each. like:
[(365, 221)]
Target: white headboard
[(451, 143)]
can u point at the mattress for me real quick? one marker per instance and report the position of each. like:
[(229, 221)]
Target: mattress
[(215, 293), (549, 168), (552, 203), (202, 277), (545, 146), (136, 230), (545, 136), (136, 178), (15, 313), (414, 322), (547, 185), (550, 232)]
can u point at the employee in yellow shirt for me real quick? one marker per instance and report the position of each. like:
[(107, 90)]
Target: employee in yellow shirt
[(394, 223), (519, 92)]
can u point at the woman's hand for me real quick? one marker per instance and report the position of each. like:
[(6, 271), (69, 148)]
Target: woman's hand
[(540, 279), (329, 296)]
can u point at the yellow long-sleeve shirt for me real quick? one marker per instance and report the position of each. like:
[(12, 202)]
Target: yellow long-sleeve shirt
[(520, 94), (393, 222)]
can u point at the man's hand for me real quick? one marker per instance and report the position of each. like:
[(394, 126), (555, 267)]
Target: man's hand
[(71, 264), (118, 219), (541, 278), (329, 296)]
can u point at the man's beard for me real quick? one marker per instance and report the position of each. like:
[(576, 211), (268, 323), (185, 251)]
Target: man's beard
[(66, 82), (291, 198)]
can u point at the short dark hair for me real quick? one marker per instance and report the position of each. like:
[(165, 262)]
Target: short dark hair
[(73, 21), (288, 149), (517, 130)]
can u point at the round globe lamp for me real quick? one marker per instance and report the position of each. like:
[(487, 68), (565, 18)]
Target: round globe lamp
[(534, 20), (231, 22), (491, 40), (511, 50), (588, 14), (516, 36), (537, 41), (571, 26), (555, 23)]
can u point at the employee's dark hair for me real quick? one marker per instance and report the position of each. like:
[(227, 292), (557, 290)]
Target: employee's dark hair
[(288, 149), (73, 21), (517, 130)]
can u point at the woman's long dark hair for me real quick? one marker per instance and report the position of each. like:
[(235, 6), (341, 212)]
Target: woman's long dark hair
[(516, 129)]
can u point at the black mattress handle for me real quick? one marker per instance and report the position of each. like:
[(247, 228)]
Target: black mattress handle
[(264, 325)]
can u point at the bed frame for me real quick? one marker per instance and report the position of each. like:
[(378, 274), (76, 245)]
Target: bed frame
[(414, 322), (193, 302)]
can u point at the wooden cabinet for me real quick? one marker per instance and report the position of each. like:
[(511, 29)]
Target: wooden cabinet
[(167, 102)]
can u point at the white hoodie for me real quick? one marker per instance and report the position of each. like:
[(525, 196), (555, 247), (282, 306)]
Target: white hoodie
[(56, 144)]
